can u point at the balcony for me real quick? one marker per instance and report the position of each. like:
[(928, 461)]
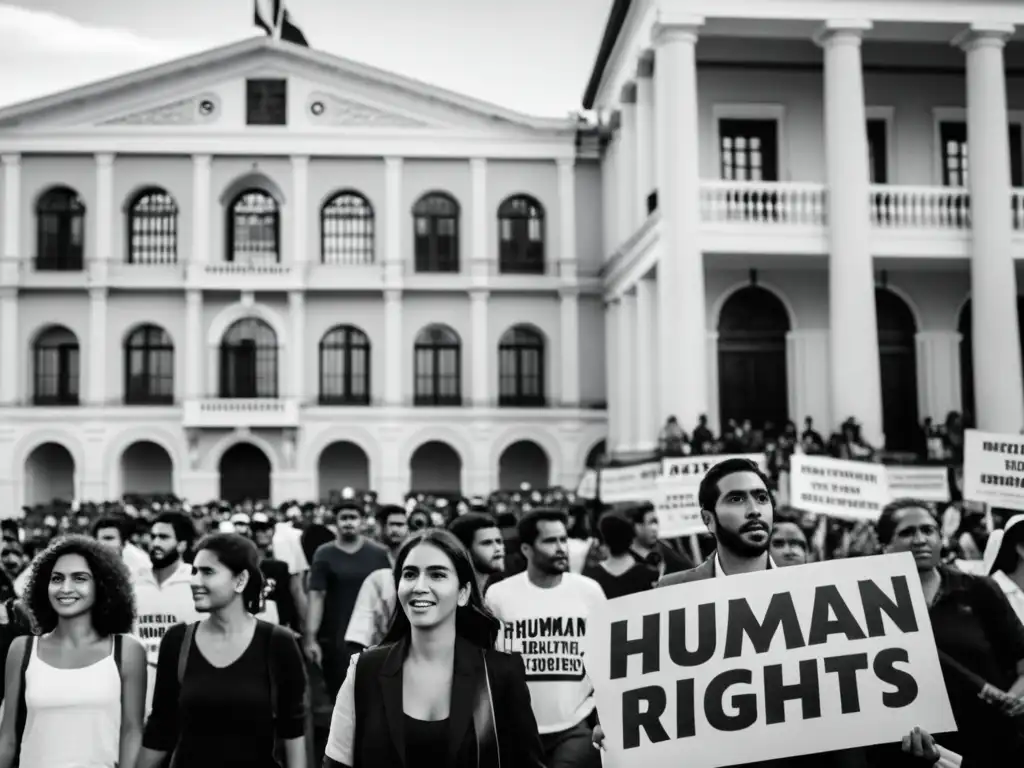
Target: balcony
[(232, 413), (244, 276)]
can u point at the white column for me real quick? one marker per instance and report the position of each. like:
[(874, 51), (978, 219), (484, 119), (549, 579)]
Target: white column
[(96, 368), (628, 426), (611, 376), (714, 406), (103, 221), (608, 244), (998, 382), (646, 376), (11, 222), (479, 350), (682, 312), (625, 205), (297, 353), (644, 136), (195, 345), (807, 376), (856, 379), (393, 220), (569, 352), (938, 373), (10, 369), (479, 252), (567, 256), (300, 209), (201, 202), (611, 199), (394, 348)]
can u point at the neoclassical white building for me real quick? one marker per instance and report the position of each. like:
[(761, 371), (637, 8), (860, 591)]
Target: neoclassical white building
[(268, 271), (792, 224)]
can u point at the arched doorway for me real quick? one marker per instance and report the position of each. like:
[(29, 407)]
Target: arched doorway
[(897, 348), (752, 328), (146, 470), (342, 465), (596, 454), (244, 474), (49, 474), (523, 462), (435, 467), (966, 328)]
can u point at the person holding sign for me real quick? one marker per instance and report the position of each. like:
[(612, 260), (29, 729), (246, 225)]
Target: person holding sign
[(980, 641)]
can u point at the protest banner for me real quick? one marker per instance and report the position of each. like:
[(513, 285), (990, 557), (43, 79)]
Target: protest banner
[(676, 498), (766, 665), (587, 489), (924, 483), (633, 483), (850, 490), (688, 471), (994, 469)]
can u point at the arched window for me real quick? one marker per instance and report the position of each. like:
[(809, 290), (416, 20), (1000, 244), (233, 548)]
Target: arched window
[(521, 367), (254, 229), (60, 218), (347, 230), (148, 367), (521, 236), (436, 233), (248, 360), (345, 367), (153, 228), (56, 367), (438, 367)]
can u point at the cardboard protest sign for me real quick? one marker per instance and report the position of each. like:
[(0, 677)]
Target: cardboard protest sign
[(924, 483), (687, 472), (587, 489), (994, 469), (676, 498), (635, 483), (851, 490), (766, 665)]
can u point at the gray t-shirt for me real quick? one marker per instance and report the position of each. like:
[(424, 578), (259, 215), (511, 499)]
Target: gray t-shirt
[(339, 575)]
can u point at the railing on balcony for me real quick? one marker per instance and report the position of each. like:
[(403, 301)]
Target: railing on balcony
[(753, 202), (228, 268), (1017, 202), (234, 412), (902, 207)]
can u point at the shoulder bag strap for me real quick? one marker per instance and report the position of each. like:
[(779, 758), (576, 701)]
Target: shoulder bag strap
[(118, 645), (272, 667), (186, 648), (22, 713)]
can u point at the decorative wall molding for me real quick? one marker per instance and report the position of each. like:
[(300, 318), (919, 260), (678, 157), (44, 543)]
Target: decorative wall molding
[(328, 109), (202, 109)]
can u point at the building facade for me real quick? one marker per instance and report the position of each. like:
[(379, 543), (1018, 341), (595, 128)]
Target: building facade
[(793, 225), (266, 271)]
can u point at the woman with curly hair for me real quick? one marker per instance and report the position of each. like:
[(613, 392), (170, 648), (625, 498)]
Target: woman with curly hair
[(76, 688), (231, 689)]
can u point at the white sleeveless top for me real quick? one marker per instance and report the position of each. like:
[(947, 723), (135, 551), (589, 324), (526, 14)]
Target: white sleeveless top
[(73, 715)]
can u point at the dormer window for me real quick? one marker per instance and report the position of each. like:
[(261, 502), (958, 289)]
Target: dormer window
[(267, 102)]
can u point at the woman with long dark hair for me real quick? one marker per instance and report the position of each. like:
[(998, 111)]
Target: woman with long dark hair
[(435, 692), (230, 689), (77, 687)]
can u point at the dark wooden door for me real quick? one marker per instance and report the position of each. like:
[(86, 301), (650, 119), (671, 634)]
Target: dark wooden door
[(897, 332), (244, 474), (878, 152)]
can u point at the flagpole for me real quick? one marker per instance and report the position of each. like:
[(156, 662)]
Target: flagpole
[(279, 20)]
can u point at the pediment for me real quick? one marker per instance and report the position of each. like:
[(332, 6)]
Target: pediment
[(207, 92)]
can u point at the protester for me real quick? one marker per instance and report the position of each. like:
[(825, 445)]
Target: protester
[(482, 538), (550, 604), (227, 685), (76, 691), (415, 697), (620, 574), (788, 544), (647, 546), (1004, 559), (115, 532)]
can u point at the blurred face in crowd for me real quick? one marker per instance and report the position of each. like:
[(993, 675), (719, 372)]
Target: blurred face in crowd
[(488, 551), (71, 590), (213, 584), (12, 558), (243, 529), (396, 528), (917, 532), (164, 547), (647, 531), (350, 523), (263, 536), (110, 537), (428, 587), (742, 518), (788, 545), (549, 553), (418, 520)]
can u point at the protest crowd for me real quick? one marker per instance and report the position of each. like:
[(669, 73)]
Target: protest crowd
[(353, 633)]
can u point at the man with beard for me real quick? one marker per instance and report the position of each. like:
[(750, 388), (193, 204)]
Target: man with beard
[(544, 613), (482, 538), (163, 591), (338, 571)]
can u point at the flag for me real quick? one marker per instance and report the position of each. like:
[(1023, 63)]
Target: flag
[(273, 18)]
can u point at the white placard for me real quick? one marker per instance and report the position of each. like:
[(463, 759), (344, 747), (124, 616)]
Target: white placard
[(766, 665), (689, 471), (587, 489), (924, 483), (850, 490), (634, 483), (994, 469)]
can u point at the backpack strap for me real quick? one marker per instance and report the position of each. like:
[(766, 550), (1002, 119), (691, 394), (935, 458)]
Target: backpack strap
[(272, 668), (22, 713), (186, 648), (118, 645)]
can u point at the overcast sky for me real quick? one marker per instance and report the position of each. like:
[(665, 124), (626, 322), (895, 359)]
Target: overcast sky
[(534, 56)]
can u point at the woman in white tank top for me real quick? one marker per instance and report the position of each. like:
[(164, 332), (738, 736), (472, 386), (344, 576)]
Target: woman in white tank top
[(72, 700)]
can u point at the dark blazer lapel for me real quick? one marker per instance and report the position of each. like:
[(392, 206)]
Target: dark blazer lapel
[(391, 692), (467, 670)]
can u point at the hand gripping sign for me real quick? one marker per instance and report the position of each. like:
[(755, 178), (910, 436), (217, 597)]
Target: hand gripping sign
[(766, 665)]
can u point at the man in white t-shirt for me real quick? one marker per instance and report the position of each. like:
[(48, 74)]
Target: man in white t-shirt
[(543, 612)]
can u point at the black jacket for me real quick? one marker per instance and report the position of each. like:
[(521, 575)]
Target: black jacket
[(380, 738)]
